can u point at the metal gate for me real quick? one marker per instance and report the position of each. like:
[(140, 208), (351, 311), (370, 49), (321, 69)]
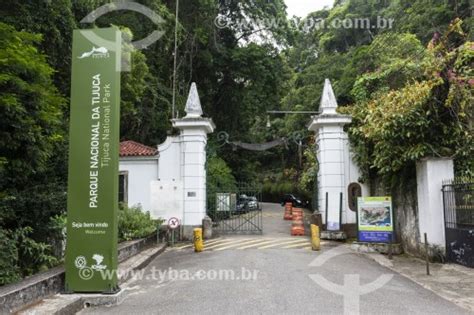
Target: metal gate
[(458, 197), (235, 209)]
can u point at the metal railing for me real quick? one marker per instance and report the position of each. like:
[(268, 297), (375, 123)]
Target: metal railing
[(458, 199), (235, 209)]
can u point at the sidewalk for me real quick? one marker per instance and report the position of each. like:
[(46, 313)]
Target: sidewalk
[(73, 303), (452, 282)]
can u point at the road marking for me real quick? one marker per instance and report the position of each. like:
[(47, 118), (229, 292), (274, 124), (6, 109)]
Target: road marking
[(221, 242), (225, 243), (243, 243), (214, 241), (211, 242), (295, 245), (283, 243), (254, 243), (258, 244)]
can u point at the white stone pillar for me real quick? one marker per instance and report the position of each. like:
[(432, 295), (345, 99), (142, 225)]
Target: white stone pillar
[(430, 174), (331, 143), (193, 139)]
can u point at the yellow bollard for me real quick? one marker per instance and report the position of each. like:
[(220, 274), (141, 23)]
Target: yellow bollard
[(315, 240), (198, 243)]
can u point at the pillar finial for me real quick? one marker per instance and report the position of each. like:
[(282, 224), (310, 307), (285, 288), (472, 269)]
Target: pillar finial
[(193, 104), (328, 99)]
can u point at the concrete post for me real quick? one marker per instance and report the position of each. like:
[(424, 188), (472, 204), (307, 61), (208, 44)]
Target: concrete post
[(430, 174), (331, 143), (193, 139), (207, 227)]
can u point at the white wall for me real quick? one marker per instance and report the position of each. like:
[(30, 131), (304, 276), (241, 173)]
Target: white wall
[(430, 174), (141, 172), (170, 155), (194, 175), (330, 140), (167, 199), (180, 189), (337, 169), (352, 174)]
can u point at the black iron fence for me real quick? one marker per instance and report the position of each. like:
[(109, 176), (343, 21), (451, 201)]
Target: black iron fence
[(458, 198), (235, 209)]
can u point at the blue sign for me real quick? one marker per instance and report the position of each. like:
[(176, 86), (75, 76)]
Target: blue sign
[(375, 237), (375, 219)]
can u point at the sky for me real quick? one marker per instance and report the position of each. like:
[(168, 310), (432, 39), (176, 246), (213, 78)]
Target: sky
[(302, 8)]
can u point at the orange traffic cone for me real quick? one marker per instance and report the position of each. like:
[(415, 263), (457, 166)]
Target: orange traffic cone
[(297, 230), (297, 227), (288, 211)]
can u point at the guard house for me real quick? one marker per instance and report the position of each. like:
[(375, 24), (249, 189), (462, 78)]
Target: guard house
[(170, 180), (338, 175), (138, 167)]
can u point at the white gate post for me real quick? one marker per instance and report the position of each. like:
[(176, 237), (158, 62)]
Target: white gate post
[(430, 174), (193, 139), (331, 142)]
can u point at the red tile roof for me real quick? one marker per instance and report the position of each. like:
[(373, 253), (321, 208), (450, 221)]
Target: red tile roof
[(132, 148)]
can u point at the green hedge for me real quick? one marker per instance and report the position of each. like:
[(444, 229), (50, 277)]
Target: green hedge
[(21, 256), (134, 223)]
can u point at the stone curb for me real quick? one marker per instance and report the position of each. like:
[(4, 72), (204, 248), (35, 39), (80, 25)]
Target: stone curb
[(381, 248), (382, 261), (62, 304), (17, 296)]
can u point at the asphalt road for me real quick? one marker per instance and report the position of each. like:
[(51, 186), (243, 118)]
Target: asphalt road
[(274, 280)]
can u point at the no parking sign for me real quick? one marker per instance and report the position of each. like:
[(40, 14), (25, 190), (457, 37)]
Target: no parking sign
[(173, 223)]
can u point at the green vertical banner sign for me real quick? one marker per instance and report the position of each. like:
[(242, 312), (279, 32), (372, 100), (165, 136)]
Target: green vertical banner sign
[(92, 202)]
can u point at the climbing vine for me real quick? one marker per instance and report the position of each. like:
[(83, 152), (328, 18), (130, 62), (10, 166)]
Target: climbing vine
[(430, 115)]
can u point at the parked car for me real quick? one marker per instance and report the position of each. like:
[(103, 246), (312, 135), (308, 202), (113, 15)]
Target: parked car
[(295, 201), (242, 204), (253, 203)]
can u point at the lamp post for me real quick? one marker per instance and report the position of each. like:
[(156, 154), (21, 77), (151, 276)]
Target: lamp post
[(173, 114)]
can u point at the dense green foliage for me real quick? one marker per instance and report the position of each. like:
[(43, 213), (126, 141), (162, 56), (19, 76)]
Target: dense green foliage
[(219, 180), (134, 223), (430, 116), (409, 89), (220, 175), (22, 256), (31, 108)]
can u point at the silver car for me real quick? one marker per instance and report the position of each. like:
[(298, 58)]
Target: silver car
[(253, 203)]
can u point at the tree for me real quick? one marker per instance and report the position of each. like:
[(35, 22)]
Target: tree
[(30, 106), (427, 113), (144, 115), (54, 20)]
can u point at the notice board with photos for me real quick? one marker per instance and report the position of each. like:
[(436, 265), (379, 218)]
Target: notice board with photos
[(374, 219)]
